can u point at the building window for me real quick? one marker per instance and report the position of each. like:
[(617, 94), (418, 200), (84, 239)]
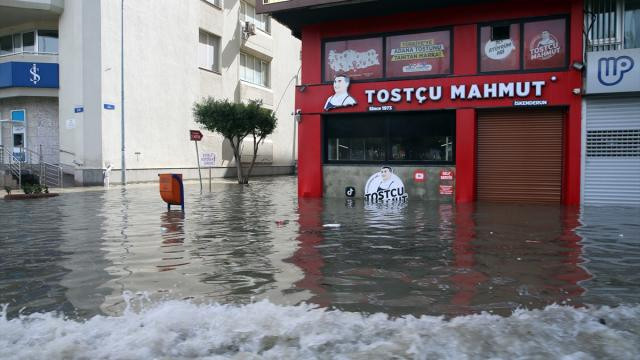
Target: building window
[(48, 41), (217, 3), (254, 70), (427, 137), (632, 24), (612, 25), (33, 42), (209, 51), (248, 14)]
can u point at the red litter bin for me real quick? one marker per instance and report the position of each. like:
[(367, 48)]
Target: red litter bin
[(172, 190)]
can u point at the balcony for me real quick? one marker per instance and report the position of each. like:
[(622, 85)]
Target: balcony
[(16, 12)]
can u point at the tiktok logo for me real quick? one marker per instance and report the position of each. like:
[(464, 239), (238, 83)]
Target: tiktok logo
[(35, 78), (350, 191), (611, 70)]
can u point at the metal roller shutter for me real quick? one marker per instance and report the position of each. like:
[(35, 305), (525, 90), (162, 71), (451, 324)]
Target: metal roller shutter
[(612, 153), (519, 155)]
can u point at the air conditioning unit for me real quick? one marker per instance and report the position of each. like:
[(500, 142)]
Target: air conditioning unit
[(248, 29)]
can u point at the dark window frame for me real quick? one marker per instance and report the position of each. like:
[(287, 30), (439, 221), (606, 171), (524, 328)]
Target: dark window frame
[(521, 22), (388, 119), (383, 37)]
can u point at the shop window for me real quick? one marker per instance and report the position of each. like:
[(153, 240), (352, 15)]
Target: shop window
[(545, 44), (427, 137), (422, 139), (360, 59), (523, 45), (421, 54), (500, 49)]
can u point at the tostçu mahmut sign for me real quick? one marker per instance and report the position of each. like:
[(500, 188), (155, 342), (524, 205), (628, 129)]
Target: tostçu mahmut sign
[(496, 90)]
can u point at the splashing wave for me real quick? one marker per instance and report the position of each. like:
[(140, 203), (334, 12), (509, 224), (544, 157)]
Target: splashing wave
[(263, 330)]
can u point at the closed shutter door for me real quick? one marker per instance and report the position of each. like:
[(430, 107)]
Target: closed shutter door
[(612, 154), (519, 155)]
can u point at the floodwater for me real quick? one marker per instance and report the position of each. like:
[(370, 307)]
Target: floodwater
[(252, 272)]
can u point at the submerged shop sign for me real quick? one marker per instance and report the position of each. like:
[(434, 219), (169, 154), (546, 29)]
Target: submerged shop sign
[(384, 186), (521, 89)]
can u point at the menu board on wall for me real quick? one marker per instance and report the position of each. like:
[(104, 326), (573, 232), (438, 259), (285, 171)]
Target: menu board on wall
[(545, 44), (359, 59), (427, 53), (500, 55)]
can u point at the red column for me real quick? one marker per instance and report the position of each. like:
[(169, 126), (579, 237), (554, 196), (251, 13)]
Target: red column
[(466, 130), (573, 134), (310, 156), (310, 126)]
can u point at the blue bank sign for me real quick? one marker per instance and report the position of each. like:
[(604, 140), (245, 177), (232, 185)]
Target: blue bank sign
[(613, 71), (29, 74)]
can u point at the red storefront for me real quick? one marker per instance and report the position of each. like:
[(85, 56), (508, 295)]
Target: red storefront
[(471, 102)]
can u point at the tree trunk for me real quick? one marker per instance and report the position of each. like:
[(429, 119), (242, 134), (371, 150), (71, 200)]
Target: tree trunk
[(237, 155), (253, 160)]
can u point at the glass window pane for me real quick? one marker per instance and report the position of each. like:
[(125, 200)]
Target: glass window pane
[(17, 42), (29, 42), (500, 55), (265, 74), (420, 54), (632, 24), (421, 137), (359, 59), (424, 137), (6, 45), (545, 44), (48, 41), (355, 139)]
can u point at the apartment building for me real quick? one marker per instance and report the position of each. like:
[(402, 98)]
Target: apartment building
[(77, 77)]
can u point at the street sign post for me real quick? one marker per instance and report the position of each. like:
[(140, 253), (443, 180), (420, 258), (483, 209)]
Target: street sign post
[(196, 136), (208, 160)]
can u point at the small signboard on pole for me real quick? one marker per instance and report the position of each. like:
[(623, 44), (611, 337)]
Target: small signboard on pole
[(208, 160), (196, 136)]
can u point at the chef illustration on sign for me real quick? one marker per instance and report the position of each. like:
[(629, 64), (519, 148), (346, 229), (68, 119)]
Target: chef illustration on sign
[(341, 98), (384, 186)]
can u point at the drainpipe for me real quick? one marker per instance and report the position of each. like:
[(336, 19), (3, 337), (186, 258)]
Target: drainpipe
[(124, 165)]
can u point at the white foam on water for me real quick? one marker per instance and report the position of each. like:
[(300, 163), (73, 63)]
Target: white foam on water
[(263, 330)]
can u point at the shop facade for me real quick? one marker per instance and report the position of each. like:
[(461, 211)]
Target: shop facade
[(462, 103), (611, 138)]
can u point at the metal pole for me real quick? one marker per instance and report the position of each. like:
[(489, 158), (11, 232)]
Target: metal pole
[(199, 173), (124, 165), (209, 178)]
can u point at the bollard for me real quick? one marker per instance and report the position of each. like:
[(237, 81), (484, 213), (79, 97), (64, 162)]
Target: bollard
[(172, 190)]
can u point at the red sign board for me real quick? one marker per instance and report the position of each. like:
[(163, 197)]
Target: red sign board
[(196, 135), (446, 175), (446, 189), (419, 176)]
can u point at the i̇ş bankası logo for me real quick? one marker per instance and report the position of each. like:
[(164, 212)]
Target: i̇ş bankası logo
[(544, 46)]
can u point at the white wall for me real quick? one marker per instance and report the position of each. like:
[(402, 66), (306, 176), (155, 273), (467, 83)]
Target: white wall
[(162, 81)]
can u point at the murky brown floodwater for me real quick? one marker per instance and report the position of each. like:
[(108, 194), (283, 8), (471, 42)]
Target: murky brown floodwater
[(79, 252)]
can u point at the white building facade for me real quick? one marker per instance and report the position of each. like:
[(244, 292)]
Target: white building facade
[(175, 53)]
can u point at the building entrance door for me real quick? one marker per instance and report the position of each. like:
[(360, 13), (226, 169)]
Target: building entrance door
[(519, 155)]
